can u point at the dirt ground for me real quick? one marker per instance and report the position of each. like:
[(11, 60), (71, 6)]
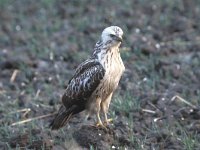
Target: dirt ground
[(157, 103)]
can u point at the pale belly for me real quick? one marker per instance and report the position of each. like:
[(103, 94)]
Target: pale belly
[(108, 84), (110, 81)]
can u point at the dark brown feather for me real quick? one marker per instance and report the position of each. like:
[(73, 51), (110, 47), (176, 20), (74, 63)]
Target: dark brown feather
[(84, 82), (89, 76), (61, 118)]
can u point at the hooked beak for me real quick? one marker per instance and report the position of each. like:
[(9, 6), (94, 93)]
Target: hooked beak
[(119, 39)]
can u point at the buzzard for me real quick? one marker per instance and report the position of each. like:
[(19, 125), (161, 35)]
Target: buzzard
[(94, 81)]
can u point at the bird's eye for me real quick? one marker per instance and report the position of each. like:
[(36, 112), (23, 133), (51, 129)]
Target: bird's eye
[(112, 35)]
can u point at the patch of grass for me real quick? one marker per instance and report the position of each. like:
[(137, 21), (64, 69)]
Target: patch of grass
[(126, 103), (181, 43), (188, 139), (92, 147), (4, 3), (4, 131), (126, 54), (47, 3), (138, 143)]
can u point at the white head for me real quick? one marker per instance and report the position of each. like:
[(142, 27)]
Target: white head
[(112, 36)]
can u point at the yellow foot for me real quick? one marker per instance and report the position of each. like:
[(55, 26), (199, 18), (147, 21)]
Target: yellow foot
[(108, 121), (100, 125)]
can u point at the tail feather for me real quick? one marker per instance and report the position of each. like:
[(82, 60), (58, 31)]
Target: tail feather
[(61, 118)]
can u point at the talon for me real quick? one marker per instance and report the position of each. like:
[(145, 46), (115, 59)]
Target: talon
[(108, 121), (100, 125)]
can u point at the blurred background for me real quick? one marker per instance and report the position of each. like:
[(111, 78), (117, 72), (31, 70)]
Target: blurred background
[(157, 103)]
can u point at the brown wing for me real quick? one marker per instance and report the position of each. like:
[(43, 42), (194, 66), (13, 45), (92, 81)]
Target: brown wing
[(85, 80)]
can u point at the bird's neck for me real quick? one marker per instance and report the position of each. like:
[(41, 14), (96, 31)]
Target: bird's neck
[(105, 54)]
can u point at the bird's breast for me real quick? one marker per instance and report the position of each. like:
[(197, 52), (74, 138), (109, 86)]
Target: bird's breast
[(114, 69)]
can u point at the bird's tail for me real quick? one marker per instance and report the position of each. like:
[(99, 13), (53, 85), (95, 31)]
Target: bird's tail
[(61, 118)]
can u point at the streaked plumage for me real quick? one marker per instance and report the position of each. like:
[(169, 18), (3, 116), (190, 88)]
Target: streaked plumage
[(94, 81)]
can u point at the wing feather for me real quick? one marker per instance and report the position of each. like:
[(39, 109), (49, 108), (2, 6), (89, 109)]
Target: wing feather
[(85, 80)]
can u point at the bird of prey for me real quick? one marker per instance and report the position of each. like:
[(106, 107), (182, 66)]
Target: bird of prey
[(94, 81)]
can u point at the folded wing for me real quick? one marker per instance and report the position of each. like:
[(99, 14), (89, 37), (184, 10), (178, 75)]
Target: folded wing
[(84, 82)]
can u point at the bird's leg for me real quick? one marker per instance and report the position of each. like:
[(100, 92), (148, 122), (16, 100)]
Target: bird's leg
[(107, 121), (105, 115), (105, 106), (99, 122)]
